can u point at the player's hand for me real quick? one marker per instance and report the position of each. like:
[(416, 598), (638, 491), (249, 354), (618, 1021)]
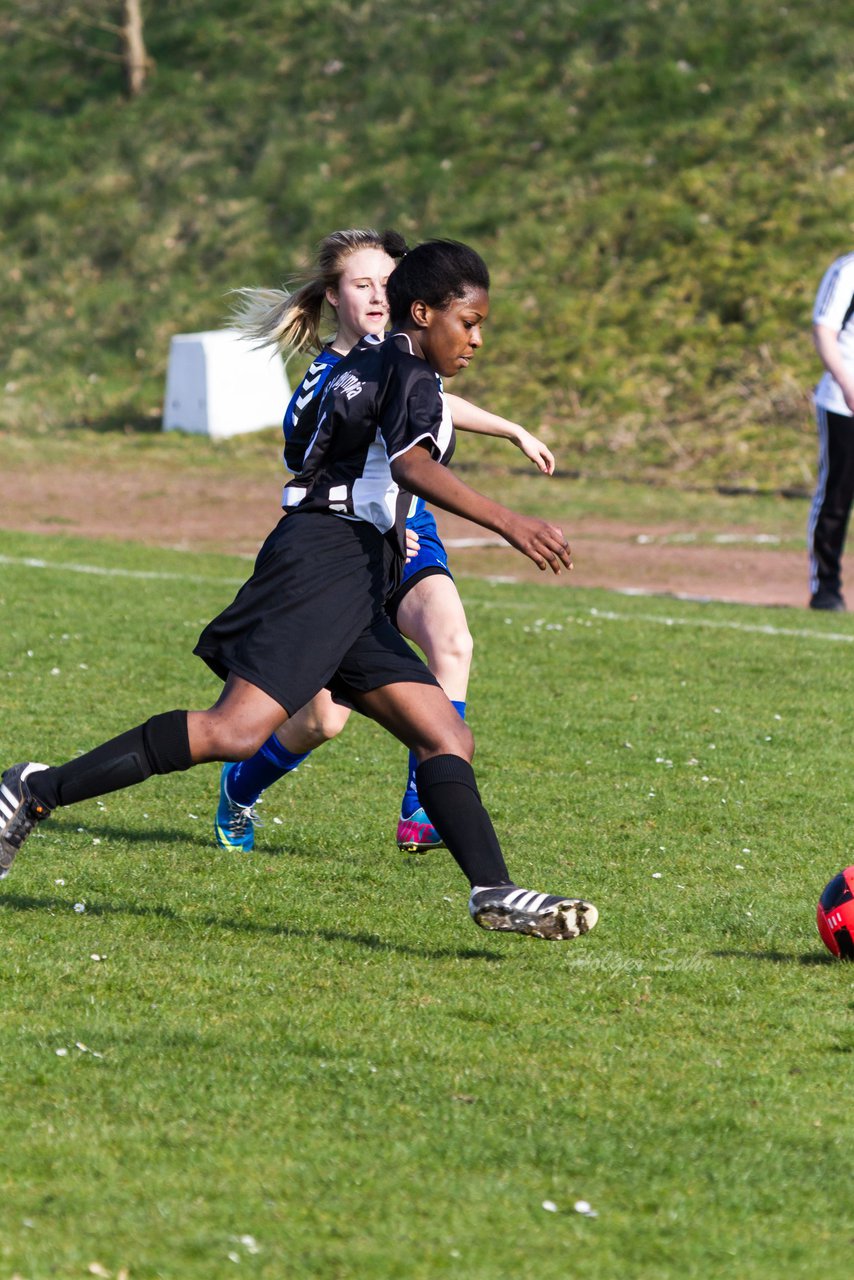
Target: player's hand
[(544, 543), (413, 546), (539, 453)]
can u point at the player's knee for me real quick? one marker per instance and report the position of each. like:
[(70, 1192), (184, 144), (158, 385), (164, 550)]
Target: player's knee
[(451, 651), (324, 723), (460, 646), (456, 740), (227, 740)]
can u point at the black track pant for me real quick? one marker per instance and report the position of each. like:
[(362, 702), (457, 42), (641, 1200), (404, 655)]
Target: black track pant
[(831, 505)]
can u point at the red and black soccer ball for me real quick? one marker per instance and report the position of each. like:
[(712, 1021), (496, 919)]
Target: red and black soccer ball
[(835, 915)]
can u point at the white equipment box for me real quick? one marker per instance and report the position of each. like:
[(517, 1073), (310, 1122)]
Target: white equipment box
[(218, 384)]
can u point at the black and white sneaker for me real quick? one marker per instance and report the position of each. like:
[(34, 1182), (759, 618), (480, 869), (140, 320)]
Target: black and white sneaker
[(540, 915), (19, 812)]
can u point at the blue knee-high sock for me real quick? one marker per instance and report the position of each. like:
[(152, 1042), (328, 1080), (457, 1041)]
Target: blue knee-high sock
[(248, 778), (410, 800)]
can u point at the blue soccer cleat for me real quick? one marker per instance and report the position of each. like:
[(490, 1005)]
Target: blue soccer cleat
[(234, 825)]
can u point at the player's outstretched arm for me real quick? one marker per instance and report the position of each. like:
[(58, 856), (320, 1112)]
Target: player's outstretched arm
[(470, 417), (544, 543)]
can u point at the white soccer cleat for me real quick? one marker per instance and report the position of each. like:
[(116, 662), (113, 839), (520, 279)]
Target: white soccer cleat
[(19, 812), (539, 915)]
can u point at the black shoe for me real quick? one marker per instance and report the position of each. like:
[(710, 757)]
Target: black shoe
[(19, 812), (540, 915), (831, 601)]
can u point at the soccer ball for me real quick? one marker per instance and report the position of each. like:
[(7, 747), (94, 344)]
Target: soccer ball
[(835, 915)]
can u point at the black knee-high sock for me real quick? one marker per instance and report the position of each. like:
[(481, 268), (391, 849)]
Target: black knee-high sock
[(161, 745), (449, 794)]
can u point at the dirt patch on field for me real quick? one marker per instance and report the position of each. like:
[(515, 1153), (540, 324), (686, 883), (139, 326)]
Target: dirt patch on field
[(176, 509)]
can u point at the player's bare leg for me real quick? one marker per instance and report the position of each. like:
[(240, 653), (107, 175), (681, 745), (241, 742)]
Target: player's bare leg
[(242, 717)]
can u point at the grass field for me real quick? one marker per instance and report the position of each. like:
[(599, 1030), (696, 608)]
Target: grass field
[(308, 1063)]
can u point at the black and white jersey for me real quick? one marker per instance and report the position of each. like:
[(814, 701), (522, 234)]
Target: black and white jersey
[(834, 307), (379, 402)]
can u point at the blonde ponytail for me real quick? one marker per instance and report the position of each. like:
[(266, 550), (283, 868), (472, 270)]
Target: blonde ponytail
[(292, 321), (276, 318)]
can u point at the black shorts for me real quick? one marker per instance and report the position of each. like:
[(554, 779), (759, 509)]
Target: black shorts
[(312, 616)]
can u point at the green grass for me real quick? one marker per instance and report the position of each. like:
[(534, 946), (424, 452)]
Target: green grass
[(312, 1053), (656, 186)]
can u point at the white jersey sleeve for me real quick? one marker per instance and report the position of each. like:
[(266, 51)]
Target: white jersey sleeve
[(834, 307), (835, 294)]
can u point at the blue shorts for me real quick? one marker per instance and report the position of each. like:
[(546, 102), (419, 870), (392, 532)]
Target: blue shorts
[(432, 558)]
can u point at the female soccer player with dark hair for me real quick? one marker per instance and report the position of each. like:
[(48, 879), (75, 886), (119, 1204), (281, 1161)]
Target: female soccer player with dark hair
[(312, 614), (349, 278)]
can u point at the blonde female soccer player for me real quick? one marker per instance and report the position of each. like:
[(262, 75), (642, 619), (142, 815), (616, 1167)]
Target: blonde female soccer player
[(349, 279)]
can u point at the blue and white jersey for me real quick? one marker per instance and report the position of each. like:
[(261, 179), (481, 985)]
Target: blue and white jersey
[(834, 307), (381, 401), (301, 414)]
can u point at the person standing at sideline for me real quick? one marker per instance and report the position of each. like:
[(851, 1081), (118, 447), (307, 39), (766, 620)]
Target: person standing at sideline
[(324, 574), (833, 334), (347, 288)]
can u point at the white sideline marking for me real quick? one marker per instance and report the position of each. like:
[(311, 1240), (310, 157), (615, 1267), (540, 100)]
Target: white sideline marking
[(604, 615), (721, 539), (30, 562), (647, 539), (800, 633), (667, 620), (475, 542)]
